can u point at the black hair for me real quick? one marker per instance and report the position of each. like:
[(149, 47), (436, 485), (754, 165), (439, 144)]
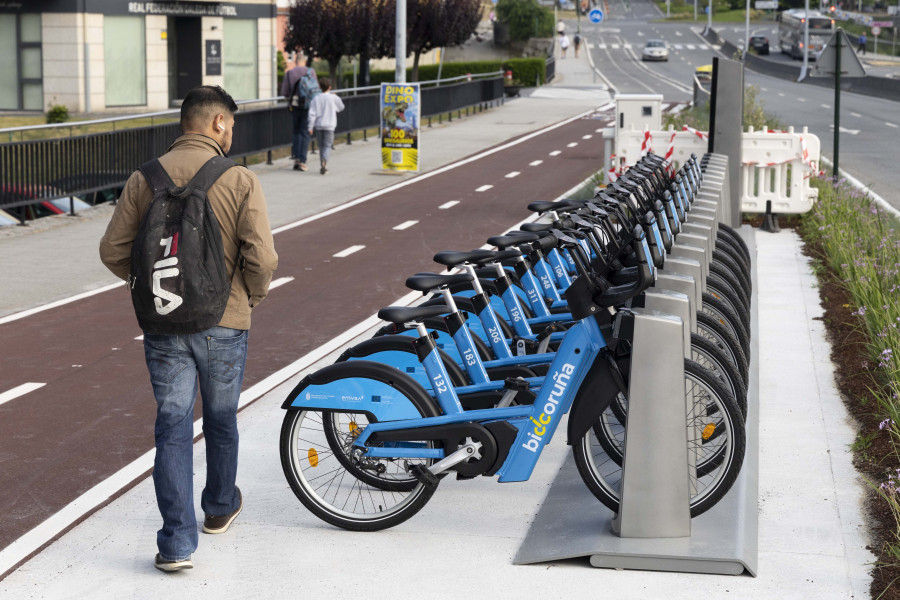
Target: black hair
[(201, 103)]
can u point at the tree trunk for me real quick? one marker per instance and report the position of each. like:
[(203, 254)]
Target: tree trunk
[(364, 74), (332, 73), (415, 68)]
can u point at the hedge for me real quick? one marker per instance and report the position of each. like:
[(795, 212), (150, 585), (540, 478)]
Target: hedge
[(526, 70)]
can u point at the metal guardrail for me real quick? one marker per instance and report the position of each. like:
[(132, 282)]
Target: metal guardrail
[(34, 171)]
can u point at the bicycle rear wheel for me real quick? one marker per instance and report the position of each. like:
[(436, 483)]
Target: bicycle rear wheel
[(318, 476), (716, 442)]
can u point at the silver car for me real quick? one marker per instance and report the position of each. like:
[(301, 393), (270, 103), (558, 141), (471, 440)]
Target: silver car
[(655, 50)]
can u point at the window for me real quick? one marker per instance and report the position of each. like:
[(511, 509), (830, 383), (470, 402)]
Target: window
[(21, 72), (240, 51), (125, 58)]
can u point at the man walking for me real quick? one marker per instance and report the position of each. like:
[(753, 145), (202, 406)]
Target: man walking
[(213, 358), (290, 89), (862, 44)]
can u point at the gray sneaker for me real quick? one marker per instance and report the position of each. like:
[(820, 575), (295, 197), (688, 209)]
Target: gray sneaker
[(221, 524), (170, 566)]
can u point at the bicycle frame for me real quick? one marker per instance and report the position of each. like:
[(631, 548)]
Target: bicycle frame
[(536, 423)]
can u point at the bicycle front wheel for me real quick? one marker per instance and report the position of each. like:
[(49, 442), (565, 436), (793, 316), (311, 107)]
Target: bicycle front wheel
[(716, 443)]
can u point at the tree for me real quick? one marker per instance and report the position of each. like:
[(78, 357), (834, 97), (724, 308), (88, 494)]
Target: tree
[(434, 24), (525, 18), (321, 28), (373, 27)]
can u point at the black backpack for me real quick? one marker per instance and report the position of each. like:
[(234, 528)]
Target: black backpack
[(179, 282)]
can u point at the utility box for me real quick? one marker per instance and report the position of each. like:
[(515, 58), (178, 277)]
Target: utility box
[(637, 111)]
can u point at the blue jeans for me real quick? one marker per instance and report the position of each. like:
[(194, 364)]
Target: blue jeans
[(300, 133), (214, 359)]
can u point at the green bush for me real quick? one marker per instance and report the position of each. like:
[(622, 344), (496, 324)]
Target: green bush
[(57, 113), (526, 70), (526, 19)]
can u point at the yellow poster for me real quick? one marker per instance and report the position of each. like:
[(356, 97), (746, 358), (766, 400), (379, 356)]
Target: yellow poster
[(400, 126)]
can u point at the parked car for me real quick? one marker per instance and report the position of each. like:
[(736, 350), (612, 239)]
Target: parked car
[(655, 50), (760, 43), (13, 194)]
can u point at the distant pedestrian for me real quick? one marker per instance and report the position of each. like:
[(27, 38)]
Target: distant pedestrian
[(299, 87), (560, 27), (323, 119), (181, 358), (577, 40), (563, 44), (862, 43)]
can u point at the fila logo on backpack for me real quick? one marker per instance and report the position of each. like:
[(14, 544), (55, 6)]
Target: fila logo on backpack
[(166, 301), (179, 282)]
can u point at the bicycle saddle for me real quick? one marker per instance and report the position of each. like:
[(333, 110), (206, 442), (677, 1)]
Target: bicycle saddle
[(405, 314), (536, 227), (499, 255), (542, 206), (452, 258), (424, 282), (506, 241)]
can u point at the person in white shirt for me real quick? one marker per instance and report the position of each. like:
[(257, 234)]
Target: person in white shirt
[(323, 112), (563, 44)]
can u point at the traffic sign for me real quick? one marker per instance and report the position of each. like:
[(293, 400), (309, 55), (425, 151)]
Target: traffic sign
[(876, 30), (882, 23), (596, 16)]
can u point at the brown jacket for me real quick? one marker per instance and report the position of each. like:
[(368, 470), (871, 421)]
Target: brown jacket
[(240, 207)]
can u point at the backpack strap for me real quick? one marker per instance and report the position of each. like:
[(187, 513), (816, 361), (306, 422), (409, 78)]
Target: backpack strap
[(209, 173), (156, 176)]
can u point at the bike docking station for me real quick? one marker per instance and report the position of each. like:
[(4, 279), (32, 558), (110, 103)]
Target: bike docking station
[(654, 530)]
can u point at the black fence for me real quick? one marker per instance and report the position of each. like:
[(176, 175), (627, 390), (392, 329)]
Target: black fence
[(39, 170)]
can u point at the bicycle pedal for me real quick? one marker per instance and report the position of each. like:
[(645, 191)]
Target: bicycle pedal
[(424, 476)]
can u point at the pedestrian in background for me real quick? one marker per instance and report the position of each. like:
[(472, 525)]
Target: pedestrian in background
[(862, 43), (323, 119), (290, 89), (563, 44), (577, 40), (212, 359)]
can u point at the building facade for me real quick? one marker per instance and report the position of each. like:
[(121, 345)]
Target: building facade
[(122, 56)]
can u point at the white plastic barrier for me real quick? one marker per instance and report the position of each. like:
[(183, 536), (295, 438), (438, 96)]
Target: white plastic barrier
[(776, 164)]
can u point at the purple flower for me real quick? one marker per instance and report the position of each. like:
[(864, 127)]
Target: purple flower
[(884, 425)]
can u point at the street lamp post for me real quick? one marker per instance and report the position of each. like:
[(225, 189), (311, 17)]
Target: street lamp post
[(400, 43)]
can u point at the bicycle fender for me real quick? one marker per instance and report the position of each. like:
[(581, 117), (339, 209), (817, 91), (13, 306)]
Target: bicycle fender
[(597, 391), (361, 386)]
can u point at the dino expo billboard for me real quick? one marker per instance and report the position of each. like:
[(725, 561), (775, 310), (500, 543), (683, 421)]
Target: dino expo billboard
[(400, 109)]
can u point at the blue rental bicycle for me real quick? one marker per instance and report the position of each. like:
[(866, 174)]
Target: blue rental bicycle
[(364, 446)]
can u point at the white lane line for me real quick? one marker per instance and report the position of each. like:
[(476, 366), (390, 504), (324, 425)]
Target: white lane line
[(19, 391), (857, 115), (447, 205), (601, 46), (615, 46), (679, 46), (535, 163), (405, 225), (823, 106), (279, 282), (890, 124), (348, 251), (512, 174), (572, 145), (140, 338), (801, 99), (781, 94), (586, 137), (764, 89), (556, 153), (691, 47), (484, 188)]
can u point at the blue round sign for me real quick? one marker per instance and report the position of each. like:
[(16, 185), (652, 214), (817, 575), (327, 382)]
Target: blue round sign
[(596, 15)]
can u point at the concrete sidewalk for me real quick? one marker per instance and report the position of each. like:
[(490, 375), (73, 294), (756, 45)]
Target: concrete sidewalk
[(811, 534)]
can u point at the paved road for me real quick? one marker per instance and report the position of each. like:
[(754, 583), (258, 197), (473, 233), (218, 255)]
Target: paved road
[(95, 413), (869, 126)]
